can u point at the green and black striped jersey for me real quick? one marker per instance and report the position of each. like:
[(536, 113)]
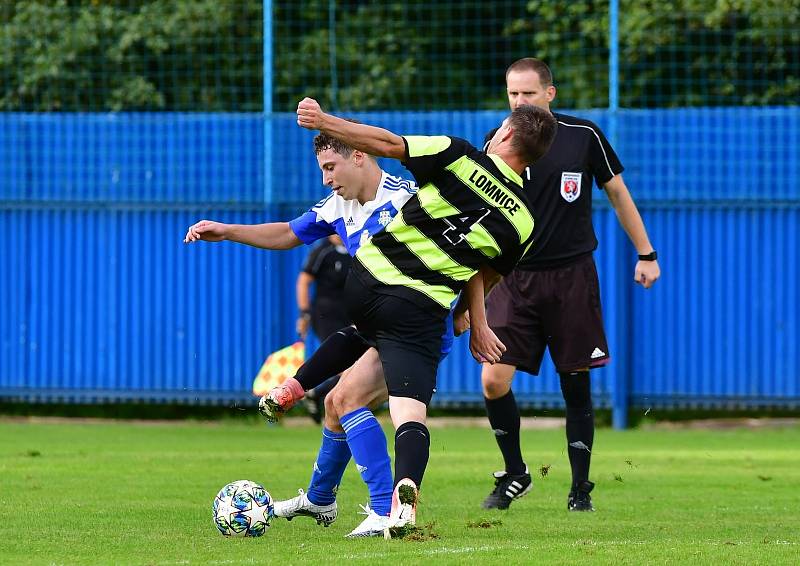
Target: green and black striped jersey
[(469, 210)]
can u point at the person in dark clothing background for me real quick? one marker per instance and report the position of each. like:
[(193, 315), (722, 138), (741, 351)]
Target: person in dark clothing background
[(322, 310)]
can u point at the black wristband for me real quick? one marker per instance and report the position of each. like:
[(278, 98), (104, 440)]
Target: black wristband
[(652, 256)]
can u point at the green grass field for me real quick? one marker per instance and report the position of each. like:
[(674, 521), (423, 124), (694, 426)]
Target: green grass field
[(121, 493)]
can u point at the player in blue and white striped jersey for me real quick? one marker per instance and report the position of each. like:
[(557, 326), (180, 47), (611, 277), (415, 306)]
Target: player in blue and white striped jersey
[(354, 219), (364, 199)]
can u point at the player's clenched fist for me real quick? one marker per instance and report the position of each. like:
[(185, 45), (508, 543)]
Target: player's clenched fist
[(206, 230), (309, 114)]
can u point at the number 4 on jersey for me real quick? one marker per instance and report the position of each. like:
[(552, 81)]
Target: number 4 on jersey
[(460, 225)]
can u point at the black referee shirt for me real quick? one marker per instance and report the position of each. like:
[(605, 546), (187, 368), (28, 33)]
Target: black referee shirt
[(328, 264), (559, 188)]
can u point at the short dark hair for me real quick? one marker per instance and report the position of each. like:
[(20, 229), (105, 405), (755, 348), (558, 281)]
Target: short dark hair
[(533, 64), (324, 141), (534, 131)]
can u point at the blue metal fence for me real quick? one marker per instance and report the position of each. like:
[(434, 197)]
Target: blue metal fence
[(101, 300)]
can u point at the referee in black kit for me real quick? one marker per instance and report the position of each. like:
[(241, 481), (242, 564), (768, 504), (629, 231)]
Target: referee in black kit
[(552, 299)]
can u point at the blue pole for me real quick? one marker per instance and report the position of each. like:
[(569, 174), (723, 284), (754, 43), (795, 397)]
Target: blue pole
[(613, 57), (267, 98), (619, 416), (332, 54)]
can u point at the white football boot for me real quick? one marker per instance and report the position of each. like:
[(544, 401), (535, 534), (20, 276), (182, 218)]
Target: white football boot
[(373, 526), (300, 506)]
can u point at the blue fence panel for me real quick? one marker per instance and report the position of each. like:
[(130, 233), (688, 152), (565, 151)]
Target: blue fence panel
[(13, 156), (711, 154), (102, 300), (111, 304), (14, 235), (721, 328), (133, 157)]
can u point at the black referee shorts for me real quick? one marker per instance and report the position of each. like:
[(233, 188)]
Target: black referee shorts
[(408, 338), (556, 308)]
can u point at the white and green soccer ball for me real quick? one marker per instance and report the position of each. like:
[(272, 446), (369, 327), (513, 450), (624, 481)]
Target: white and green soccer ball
[(242, 509)]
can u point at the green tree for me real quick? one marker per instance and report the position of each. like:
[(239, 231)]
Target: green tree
[(394, 55), (701, 53), (130, 55), (672, 53), (206, 55)]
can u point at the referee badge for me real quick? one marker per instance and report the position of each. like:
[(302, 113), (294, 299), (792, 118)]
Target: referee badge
[(570, 185)]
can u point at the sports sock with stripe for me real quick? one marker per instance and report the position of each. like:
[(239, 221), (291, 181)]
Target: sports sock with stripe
[(368, 445), (329, 467), (503, 416), (412, 443)]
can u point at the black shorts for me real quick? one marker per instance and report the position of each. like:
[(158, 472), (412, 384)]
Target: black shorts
[(556, 308), (408, 338), (324, 324)]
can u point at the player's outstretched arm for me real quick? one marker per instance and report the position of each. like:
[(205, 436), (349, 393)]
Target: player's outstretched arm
[(646, 273), (369, 139), (270, 236)]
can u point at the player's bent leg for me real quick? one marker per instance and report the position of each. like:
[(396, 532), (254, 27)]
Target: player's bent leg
[(412, 450), (332, 416), (363, 386), (362, 383), (336, 353), (319, 502), (501, 408)]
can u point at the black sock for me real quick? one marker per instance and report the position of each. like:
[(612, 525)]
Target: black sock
[(504, 417), (580, 423), (337, 352), (412, 444)]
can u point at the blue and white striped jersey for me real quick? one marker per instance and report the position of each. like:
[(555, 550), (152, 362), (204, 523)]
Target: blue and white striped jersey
[(354, 222)]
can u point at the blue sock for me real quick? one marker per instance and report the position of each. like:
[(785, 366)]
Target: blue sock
[(368, 445), (332, 459)]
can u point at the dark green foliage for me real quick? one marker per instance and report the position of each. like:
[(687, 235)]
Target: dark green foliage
[(130, 55), (673, 53), (206, 55)]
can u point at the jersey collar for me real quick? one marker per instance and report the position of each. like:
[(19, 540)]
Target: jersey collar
[(370, 204), (508, 171)]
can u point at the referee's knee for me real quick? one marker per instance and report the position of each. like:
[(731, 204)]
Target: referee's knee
[(496, 380), (495, 389)]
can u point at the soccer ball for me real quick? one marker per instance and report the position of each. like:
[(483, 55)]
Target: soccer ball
[(242, 509)]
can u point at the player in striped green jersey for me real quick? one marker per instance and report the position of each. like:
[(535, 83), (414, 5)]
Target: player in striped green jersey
[(470, 213)]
